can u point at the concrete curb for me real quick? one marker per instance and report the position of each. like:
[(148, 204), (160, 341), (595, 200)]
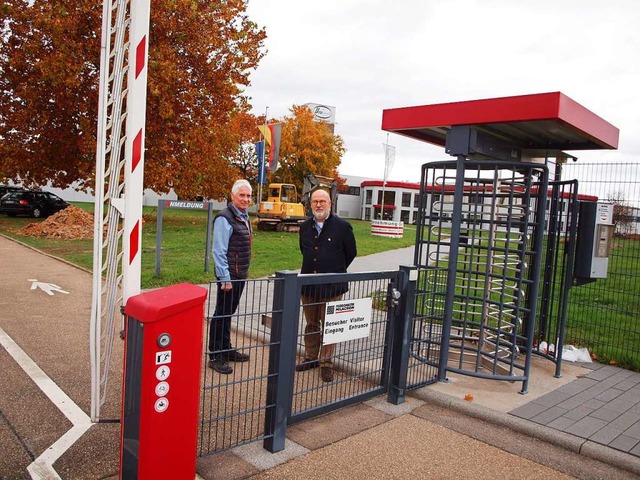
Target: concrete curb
[(572, 443), (611, 456)]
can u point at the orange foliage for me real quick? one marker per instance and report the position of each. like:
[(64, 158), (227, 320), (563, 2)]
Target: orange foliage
[(200, 58), (307, 146)]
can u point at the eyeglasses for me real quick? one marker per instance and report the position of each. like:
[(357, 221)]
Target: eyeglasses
[(318, 202)]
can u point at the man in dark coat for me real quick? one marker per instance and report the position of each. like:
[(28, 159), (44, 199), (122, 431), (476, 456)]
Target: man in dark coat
[(328, 245), (232, 238)]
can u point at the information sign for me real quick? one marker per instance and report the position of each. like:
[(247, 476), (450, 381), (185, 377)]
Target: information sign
[(347, 320)]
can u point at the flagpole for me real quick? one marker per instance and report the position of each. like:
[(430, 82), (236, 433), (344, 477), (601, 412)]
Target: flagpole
[(384, 178), (263, 171)]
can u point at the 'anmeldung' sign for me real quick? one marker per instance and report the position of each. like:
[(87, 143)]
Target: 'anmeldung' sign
[(347, 320)]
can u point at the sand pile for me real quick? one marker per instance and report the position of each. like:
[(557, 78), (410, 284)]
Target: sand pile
[(70, 223)]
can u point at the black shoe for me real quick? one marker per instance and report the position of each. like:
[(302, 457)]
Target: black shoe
[(236, 356), (326, 373), (307, 364), (220, 365)]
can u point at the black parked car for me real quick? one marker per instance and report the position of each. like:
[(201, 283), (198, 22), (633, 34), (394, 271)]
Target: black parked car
[(31, 202), (4, 189)]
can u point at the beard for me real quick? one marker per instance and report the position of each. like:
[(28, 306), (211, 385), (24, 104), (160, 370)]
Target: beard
[(321, 216)]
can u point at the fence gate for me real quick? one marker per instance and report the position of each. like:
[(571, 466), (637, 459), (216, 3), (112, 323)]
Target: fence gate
[(362, 363), (478, 249), (558, 257)]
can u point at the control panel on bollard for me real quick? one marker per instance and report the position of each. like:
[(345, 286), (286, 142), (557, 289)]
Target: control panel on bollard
[(163, 359)]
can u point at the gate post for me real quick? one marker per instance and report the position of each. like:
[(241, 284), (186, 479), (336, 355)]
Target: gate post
[(282, 358), (456, 222), (402, 325), (159, 236)]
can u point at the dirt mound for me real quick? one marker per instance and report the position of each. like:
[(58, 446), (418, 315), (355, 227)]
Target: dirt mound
[(70, 223)]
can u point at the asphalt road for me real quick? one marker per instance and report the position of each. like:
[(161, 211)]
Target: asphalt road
[(45, 307)]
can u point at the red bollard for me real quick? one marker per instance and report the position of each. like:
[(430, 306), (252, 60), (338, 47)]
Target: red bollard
[(161, 384)]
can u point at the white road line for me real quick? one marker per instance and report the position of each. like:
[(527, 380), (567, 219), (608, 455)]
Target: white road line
[(42, 467)]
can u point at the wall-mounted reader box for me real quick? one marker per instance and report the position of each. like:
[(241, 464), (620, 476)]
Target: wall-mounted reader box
[(595, 234)]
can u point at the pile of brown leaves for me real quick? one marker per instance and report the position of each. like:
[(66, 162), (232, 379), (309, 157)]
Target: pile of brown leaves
[(70, 223)]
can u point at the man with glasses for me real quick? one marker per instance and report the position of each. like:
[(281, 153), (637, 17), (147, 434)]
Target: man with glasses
[(328, 245)]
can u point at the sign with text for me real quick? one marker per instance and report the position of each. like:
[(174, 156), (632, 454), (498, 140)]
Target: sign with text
[(347, 320), (187, 205)]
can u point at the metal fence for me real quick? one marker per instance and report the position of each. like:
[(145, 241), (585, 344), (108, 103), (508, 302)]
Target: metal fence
[(558, 255), (234, 407), (489, 305), (603, 316), (260, 397)]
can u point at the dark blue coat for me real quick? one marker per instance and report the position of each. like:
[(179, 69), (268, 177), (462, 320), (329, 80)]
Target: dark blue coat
[(330, 252)]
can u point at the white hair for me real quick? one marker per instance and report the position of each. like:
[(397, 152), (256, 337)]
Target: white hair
[(240, 183)]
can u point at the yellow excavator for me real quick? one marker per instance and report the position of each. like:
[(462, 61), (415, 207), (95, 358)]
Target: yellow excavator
[(283, 211)]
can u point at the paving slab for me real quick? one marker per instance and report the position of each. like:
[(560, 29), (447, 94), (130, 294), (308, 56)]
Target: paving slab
[(605, 414), (225, 465), (525, 445), (410, 447), (506, 396), (407, 406), (262, 459), (326, 429)]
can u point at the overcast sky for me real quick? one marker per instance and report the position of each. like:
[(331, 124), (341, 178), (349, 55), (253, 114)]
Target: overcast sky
[(363, 56)]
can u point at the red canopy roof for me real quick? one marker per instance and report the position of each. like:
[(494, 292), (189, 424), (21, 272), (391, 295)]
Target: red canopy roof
[(533, 122)]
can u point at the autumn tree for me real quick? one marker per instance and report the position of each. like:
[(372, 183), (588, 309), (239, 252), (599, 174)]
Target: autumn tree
[(307, 146), (200, 56)]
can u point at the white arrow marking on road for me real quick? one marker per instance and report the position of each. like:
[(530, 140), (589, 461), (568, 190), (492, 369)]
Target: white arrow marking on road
[(48, 288), (42, 467)]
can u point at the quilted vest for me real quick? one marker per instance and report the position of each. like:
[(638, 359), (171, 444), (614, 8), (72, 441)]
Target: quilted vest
[(239, 250)]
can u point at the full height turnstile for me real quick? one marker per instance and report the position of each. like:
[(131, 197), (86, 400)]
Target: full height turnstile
[(481, 232)]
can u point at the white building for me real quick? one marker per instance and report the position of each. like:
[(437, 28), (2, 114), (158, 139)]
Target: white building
[(391, 200), (363, 199)]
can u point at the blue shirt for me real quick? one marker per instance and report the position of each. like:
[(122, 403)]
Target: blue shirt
[(222, 231)]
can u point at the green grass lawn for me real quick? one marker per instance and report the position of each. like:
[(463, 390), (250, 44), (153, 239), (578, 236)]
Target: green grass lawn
[(603, 316), (183, 246)]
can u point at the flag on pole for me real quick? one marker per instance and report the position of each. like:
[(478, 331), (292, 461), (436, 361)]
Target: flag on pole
[(272, 134), (262, 174), (389, 159)]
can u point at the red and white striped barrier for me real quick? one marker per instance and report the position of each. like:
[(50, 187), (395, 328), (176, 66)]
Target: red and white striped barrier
[(134, 147), (387, 228)]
